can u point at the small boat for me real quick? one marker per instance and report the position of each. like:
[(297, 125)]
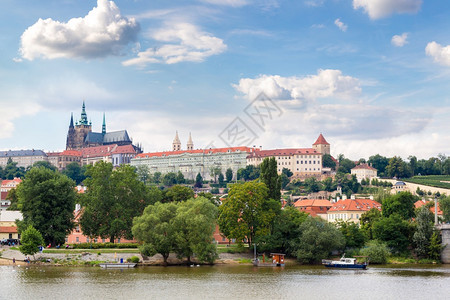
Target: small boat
[(117, 265), (345, 263)]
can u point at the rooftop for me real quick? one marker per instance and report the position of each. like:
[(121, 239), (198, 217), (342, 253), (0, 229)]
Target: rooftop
[(199, 151), (364, 167), (283, 152), (14, 153), (321, 141), (355, 205)]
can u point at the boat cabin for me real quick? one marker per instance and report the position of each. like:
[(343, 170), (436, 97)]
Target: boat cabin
[(277, 258)]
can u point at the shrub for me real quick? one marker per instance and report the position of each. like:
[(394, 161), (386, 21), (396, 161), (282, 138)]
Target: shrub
[(103, 245), (133, 259), (377, 252)]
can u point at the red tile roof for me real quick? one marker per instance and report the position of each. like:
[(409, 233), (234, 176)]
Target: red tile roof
[(8, 229), (321, 141), (283, 152), (205, 151), (124, 149), (355, 205), (313, 202), (421, 203), (3, 195), (364, 166), (15, 180), (98, 151)]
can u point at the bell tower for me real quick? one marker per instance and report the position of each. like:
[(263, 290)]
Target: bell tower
[(176, 145), (190, 143)]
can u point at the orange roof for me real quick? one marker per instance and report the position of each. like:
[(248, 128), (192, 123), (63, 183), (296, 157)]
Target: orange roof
[(421, 203), (364, 166), (312, 202), (204, 151), (283, 152), (124, 149), (8, 229), (321, 141), (355, 205), (15, 180), (98, 151), (65, 152)]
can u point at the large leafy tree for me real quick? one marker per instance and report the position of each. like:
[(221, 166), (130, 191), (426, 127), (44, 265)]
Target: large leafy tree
[(47, 201), (401, 204), (195, 222), (229, 175), (398, 168), (30, 241), (11, 170), (269, 176), (246, 213), (198, 181), (177, 193), (367, 220), (328, 162), (248, 173), (379, 162), (394, 230), (44, 164), (354, 236), (424, 231), (112, 200), (156, 229), (75, 172), (316, 241)]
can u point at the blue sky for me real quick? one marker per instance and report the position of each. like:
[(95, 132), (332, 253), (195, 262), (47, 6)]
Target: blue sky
[(371, 75)]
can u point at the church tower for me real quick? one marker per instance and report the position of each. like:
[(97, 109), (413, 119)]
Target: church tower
[(190, 143), (104, 125), (321, 145), (70, 143), (77, 134), (176, 145)]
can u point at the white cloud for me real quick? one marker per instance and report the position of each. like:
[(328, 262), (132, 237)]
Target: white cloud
[(327, 83), (400, 40), (440, 54), (102, 32), (340, 25), (13, 110), (314, 3), (233, 3), (181, 42), (377, 9)]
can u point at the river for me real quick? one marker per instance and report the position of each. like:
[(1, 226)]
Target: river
[(225, 282)]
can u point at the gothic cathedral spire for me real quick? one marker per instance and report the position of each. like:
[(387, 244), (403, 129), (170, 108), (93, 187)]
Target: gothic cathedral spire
[(104, 125), (83, 120)]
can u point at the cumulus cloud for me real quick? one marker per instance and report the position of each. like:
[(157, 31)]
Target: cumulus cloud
[(13, 110), (377, 9), (233, 3), (327, 83), (440, 54), (340, 25), (399, 40), (180, 42), (102, 32)]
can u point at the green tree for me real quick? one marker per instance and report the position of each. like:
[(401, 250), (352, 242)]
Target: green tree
[(195, 223), (177, 193), (285, 229), (367, 220), (12, 197), (248, 173), (317, 240), (284, 180), (75, 172), (11, 170), (328, 162), (354, 236), (143, 173), (328, 184), (156, 229), (30, 241), (221, 179), (170, 179), (180, 178), (401, 204), (380, 163), (287, 172), (47, 201), (244, 214), (112, 200), (229, 175), (198, 181), (312, 185), (44, 164), (435, 248), (345, 166), (377, 251), (214, 172), (393, 230), (444, 205), (424, 231), (156, 178), (269, 176), (398, 168), (154, 195)]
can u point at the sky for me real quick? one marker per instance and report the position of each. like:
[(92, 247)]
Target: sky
[(373, 76)]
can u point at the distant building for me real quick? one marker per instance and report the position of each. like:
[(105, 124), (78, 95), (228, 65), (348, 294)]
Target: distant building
[(115, 154), (302, 162), (80, 134), (351, 209), (191, 162), (8, 227), (61, 159), (6, 186), (423, 202), (314, 207), (364, 171), (399, 186), (23, 158)]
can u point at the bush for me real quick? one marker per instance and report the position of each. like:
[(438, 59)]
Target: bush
[(377, 252), (133, 259)]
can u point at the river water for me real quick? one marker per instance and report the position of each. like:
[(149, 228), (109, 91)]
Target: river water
[(225, 282)]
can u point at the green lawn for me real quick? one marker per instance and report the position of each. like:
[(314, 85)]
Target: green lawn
[(431, 180), (72, 251)]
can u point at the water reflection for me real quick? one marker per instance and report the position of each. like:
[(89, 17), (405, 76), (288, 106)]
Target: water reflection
[(225, 282)]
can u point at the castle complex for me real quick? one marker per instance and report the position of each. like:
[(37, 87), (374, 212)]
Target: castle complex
[(81, 135)]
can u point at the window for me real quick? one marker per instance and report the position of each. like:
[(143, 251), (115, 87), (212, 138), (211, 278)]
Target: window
[(77, 239)]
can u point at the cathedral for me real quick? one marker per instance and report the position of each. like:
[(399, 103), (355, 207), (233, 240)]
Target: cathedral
[(81, 136)]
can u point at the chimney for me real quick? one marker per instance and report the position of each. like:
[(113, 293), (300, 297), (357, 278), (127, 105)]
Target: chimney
[(344, 197), (352, 197)]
